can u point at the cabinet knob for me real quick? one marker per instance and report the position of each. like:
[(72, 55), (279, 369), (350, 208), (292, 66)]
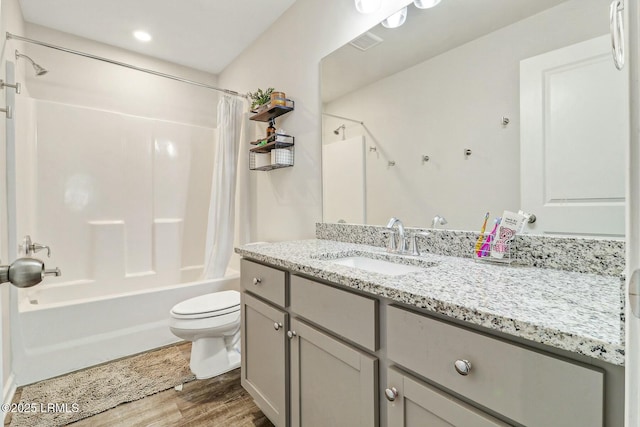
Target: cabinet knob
[(463, 367), (257, 280), (391, 394), (277, 326), (291, 334)]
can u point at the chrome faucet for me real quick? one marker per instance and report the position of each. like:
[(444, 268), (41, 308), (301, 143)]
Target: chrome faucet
[(401, 246)]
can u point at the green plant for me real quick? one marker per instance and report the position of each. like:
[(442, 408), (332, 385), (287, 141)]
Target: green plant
[(259, 97)]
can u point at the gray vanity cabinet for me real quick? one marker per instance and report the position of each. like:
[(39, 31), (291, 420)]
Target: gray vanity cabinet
[(332, 383), (301, 375), (263, 368), (413, 403), (529, 387), (313, 354)]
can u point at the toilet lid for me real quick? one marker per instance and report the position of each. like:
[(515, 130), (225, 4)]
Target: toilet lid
[(213, 304)]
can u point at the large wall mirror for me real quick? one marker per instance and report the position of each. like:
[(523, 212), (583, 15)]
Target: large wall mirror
[(479, 106)]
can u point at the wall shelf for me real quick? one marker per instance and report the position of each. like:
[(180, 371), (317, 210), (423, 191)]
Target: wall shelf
[(275, 151), (272, 111)]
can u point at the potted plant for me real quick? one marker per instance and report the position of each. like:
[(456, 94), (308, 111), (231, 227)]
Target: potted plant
[(260, 98)]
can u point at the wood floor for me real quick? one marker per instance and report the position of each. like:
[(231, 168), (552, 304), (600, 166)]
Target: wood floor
[(219, 401)]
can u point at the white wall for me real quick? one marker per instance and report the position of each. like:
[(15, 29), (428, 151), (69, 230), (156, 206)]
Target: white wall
[(77, 80), (450, 103), (286, 203)]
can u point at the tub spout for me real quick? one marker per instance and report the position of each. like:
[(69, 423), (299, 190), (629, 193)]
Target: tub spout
[(26, 272)]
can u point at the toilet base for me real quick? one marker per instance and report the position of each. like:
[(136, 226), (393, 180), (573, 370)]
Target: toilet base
[(211, 357)]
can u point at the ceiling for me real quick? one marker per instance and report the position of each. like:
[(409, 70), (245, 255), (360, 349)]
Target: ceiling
[(202, 34), (426, 34)]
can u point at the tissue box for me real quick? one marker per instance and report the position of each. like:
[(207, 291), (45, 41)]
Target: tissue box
[(281, 156)]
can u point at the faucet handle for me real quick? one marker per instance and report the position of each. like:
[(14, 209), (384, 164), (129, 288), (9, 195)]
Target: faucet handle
[(28, 247), (391, 244), (413, 248), (36, 247)]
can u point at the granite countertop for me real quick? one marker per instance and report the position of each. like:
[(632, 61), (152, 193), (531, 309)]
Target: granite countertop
[(578, 312)]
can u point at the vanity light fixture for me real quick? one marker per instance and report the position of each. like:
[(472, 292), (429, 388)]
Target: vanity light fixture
[(395, 20), (426, 4), (141, 35), (368, 6)]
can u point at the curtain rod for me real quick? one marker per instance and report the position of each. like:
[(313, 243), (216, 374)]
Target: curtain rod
[(342, 117), (123, 64)]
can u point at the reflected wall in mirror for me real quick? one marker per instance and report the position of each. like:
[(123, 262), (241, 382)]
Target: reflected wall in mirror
[(425, 93)]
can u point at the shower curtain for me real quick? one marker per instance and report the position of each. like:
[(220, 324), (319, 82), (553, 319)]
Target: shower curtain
[(220, 228)]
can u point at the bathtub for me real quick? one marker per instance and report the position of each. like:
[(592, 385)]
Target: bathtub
[(64, 327)]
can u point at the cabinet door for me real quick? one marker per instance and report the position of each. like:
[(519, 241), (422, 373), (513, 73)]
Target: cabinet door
[(264, 359), (418, 405), (332, 383)]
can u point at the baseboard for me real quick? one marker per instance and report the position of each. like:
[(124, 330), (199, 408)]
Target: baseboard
[(8, 391)]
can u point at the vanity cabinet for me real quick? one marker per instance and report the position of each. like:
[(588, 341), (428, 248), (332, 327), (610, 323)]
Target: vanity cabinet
[(264, 357), (529, 387), (314, 354), (332, 383), (307, 348), (413, 403)]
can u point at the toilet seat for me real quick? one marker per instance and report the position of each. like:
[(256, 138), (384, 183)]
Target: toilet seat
[(209, 305)]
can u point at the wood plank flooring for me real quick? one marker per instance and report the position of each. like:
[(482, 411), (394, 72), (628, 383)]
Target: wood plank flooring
[(219, 401)]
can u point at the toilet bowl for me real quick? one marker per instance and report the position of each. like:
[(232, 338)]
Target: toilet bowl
[(212, 323)]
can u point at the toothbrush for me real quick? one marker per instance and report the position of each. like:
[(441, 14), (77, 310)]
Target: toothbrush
[(481, 236), (486, 247)]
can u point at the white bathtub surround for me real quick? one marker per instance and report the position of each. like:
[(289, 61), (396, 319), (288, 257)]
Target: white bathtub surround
[(220, 227), (124, 211), (127, 197), (64, 327), (571, 311)]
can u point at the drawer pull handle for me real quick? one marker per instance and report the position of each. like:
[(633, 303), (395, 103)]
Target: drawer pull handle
[(257, 281), (391, 394), (277, 326), (463, 367), (291, 334)]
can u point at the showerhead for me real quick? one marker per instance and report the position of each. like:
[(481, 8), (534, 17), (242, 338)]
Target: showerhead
[(38, 69), (337, 131)]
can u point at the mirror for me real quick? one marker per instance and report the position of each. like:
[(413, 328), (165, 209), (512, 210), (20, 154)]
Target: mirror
[(472, 107)]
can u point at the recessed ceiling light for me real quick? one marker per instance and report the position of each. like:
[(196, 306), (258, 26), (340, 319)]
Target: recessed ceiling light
[(395, 20), (368, 6), (143, 36), (426, 4)]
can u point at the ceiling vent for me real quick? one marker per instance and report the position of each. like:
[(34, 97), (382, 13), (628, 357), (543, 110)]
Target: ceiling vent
[(365, 41)]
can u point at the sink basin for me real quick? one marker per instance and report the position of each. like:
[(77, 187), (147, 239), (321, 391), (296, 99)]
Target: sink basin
[(376, 265)]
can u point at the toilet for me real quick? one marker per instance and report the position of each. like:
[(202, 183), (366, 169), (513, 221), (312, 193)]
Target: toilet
[(212, 323)]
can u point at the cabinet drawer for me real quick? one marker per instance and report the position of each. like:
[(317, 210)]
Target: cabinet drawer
[(267, 282), (529, 387), (351, 316)]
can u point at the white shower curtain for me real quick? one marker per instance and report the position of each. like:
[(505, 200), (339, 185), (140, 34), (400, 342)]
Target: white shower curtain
[(220, 229)]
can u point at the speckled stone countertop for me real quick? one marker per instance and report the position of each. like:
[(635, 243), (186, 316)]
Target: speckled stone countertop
[(572, 311)]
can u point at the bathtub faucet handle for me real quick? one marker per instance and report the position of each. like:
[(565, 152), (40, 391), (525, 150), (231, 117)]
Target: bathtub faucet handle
[(36, 247), (27, 248), (53, 272)]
